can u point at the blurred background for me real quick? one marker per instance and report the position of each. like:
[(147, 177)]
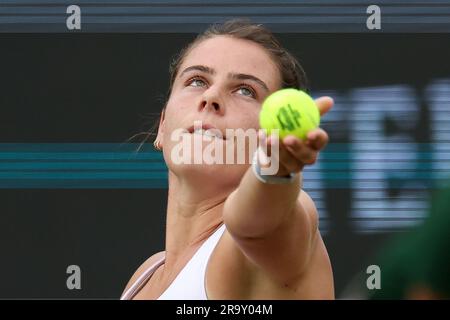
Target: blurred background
[(74, 191)]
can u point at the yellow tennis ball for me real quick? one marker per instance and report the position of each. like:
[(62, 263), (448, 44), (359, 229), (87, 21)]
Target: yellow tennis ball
[(291, 111)]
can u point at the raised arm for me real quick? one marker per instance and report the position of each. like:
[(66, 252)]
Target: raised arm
[(276, 225)]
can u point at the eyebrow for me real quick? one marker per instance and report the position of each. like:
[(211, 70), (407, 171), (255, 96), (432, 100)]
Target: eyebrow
[(238, 76)]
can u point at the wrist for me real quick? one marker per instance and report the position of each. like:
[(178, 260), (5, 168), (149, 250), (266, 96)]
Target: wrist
[(281, 177)]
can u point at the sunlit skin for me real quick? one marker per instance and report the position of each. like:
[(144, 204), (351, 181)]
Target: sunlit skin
[(271, 248)]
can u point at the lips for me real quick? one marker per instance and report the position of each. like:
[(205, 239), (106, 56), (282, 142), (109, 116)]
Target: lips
[(206, 129)]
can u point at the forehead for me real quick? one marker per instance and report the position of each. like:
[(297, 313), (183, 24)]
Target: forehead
[(226, 54)]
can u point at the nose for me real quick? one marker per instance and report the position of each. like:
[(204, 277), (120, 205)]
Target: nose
[(211, 101), (214, 105)]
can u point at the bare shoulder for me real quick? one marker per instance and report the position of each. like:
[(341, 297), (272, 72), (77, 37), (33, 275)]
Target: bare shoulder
[(144, 266)]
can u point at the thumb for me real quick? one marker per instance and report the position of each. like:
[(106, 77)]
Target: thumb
[(324, 104)]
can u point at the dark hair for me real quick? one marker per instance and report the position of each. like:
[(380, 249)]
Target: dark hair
[(292, 73)]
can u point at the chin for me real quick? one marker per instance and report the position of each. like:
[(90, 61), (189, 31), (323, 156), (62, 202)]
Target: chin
[(220, 175)]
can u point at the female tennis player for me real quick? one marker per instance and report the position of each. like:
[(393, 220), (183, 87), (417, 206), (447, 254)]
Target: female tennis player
[(232, 233)]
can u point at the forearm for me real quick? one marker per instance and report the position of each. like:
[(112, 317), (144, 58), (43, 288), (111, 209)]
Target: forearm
[(256, 208)]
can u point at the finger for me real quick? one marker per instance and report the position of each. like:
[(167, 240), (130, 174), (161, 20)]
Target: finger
[(262, 138), (285, 158), (262, 145), (305, 155), (294, 145), (292, 142), (324, 104), (299, 148), (272, 143), (317, 139), (289, 160)]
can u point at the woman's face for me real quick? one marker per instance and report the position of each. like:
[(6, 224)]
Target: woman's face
[(221, 82)]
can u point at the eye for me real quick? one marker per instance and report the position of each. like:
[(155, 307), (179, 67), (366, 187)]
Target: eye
[(247, 91), (196, 82)]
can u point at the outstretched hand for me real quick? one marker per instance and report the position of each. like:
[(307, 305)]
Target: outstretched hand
[(295, 153)]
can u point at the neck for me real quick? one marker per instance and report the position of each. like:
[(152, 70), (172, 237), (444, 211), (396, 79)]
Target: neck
[(193, 214)]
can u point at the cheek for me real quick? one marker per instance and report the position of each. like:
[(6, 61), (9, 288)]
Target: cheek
[(173, 106), (172, 122), (176, 111), (180, 100), (246, 119)]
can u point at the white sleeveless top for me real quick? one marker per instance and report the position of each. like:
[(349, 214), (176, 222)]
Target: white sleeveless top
[(190, 282)]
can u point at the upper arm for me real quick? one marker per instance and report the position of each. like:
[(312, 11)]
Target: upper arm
[(144, 266)]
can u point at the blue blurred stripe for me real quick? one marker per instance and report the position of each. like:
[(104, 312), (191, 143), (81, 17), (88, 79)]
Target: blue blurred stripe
[(71, 165), (83, 184), (81, 165), (114, 165)]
